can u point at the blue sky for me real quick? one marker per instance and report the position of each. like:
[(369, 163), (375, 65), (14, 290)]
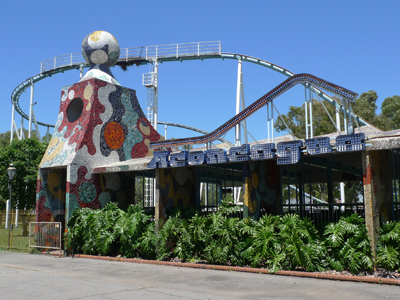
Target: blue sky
[(355, 44)]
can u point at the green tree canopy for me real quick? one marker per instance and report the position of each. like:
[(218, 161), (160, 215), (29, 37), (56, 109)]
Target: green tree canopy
[(365, 106), (296, 119), (26, 156), (391, 112), (5, 137)]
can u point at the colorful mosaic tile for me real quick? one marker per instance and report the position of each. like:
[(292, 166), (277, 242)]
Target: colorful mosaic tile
[(99, 123)]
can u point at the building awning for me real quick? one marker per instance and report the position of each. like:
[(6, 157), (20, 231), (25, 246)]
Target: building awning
[(137, 164)]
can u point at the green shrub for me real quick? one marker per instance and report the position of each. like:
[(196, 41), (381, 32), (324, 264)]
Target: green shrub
[(388, 252), (136, 236), (348, 245), (276, 242)]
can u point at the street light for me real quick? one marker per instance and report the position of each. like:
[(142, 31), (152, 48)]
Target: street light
[(11, 174)]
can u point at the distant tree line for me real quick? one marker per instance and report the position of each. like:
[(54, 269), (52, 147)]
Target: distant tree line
[(365, 106)]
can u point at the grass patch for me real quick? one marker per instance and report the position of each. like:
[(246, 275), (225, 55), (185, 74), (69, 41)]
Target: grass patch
[(19, 243)]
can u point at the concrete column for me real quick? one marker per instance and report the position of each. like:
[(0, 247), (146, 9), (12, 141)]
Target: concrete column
[(261, 188), (246, 189), (174, 188), (377, 192)]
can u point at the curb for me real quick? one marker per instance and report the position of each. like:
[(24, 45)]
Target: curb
[(364, 279)]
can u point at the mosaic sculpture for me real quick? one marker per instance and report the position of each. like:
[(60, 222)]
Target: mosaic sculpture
[(99, 122)]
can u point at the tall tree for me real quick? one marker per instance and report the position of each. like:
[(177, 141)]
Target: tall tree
[(365, 106), (26, 156), (296, 119), (391, 113)]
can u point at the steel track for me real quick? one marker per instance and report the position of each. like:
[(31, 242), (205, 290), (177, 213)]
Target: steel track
[(135, 60), (256, 105)]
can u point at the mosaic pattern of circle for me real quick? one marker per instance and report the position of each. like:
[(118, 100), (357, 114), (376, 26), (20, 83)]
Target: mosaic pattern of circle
[(100, 48), (114, 135), (87, 192)]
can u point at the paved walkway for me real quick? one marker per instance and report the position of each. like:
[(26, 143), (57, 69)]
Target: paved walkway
[(32, 277)]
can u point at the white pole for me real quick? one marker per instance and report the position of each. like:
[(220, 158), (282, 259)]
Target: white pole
[(36, 126), (238, 194), (30, 110), (12, 122), (268, 122), (21, 131), (306, 111), (243, 107), (16, 218), (337, 117), (155, 83), (344, 116), (7, 213), (342, 195), (237, 126), (311, 116), (272, 120), (201, 190)]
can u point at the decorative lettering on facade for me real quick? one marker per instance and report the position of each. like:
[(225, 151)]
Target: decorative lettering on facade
[(285, 152)]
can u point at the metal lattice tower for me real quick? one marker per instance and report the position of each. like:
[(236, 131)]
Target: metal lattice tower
[(150, 81)]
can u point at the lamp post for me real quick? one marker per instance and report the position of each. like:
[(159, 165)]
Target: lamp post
[(11, 174)]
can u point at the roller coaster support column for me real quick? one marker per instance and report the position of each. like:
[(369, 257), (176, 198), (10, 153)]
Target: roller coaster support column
[(308, 113), (270, 122), (155, 108), (12, 123), (337, 110), (14, 126), (21, 130), (36, 125), (31, 109), (344, 115), (240, 101)]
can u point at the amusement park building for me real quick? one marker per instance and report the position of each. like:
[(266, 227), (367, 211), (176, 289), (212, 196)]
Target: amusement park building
[(103, 144)]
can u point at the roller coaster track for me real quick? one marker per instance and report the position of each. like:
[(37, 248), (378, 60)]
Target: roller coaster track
[(147, 54), (192, 129), (267, 98)]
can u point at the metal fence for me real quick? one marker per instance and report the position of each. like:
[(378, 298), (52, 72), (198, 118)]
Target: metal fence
[(324, 212), (140, 53), (45, 235)]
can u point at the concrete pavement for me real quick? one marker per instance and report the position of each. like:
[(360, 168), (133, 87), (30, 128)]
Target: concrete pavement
[(24, 276)]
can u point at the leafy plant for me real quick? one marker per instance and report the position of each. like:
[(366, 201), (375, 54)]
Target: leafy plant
[(276, 242), (108, 227), (80, 231), (172, 234), (388, 252), (131, 227), (348, 245), (299, 239), (265, 245)]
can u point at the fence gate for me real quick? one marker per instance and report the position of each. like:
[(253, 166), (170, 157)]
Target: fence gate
[(46, 235)]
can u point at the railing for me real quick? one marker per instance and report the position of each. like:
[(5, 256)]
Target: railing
[(140, 53), (45, 235), (62, 61), (148, 79), (172, 51), (324, 212)]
